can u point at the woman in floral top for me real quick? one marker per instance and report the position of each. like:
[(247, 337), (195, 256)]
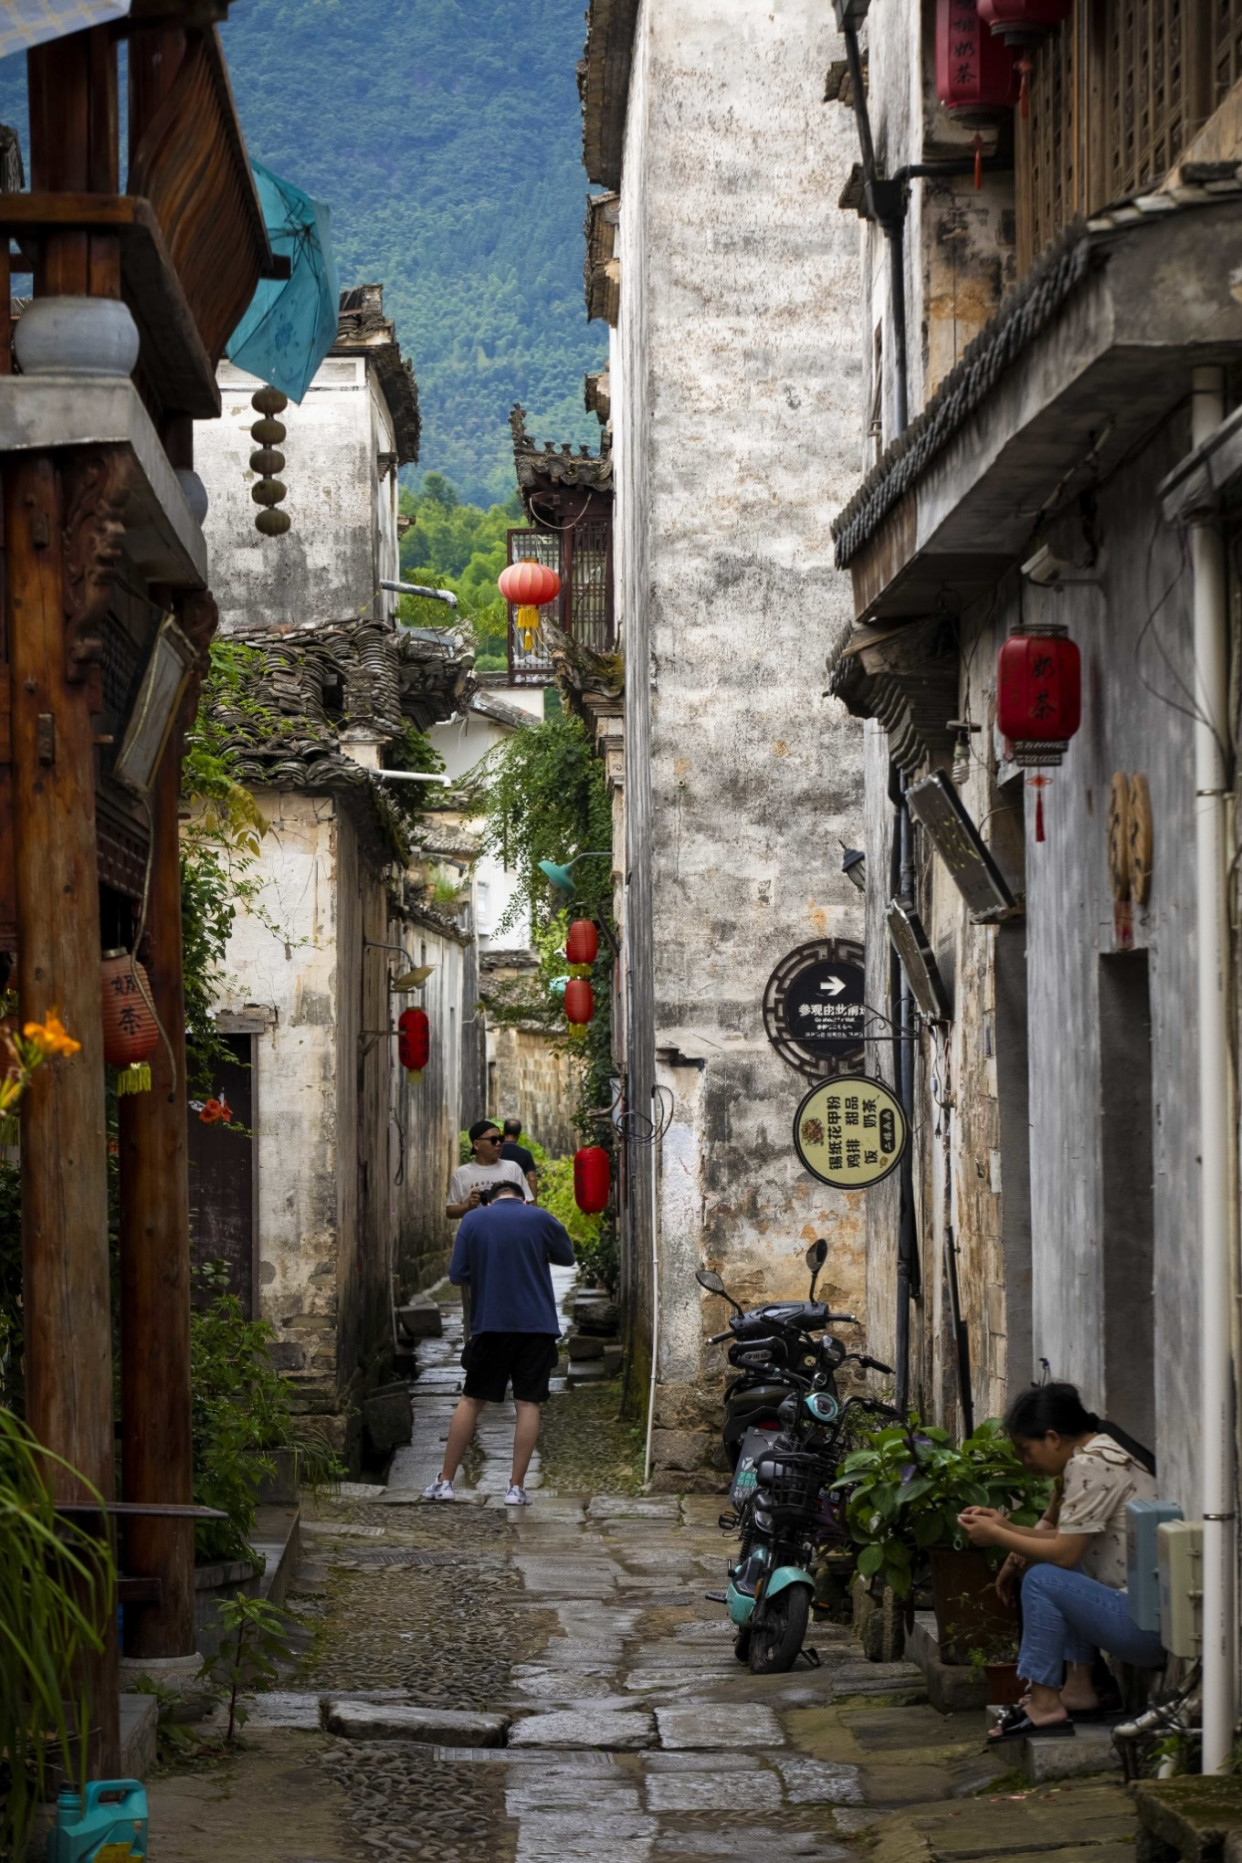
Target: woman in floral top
[(1073, 1563)]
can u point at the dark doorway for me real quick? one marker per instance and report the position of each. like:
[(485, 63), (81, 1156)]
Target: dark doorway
[(222, 1200), (1128, 1199)]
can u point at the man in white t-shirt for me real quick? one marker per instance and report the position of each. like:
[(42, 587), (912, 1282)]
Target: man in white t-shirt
[(488, 1168)]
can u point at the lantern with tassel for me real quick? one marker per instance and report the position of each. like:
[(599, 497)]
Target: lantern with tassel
[(1022, 23), (976, 78), (579, 1006), (529, 586), (582, 947), (413, 1041), (592, 1179), (1039, 702), (130, 1030)]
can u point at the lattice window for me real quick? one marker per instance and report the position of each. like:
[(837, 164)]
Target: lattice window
[(533, 668), (1226, 48), (590, 584)]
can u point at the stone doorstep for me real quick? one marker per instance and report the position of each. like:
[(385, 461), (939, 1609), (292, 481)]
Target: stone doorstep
[(1194, 1816), (1091, 1822), (364, 1720), (951, 1687)]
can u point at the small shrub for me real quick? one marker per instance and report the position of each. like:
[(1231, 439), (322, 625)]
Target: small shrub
[(255, 1643)]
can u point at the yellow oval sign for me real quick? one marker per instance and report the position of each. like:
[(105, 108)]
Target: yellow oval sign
[(850, 1132)]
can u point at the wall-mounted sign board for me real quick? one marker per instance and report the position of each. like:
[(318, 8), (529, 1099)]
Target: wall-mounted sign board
[(813, 1008), (936, 804), (918, 961), (850, 1131)]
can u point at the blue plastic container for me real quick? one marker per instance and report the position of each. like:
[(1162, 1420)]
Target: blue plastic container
[(109, 1825), (1142, 1575)]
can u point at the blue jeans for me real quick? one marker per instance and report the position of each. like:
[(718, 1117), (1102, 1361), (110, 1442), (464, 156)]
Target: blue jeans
[(1067, 1616)]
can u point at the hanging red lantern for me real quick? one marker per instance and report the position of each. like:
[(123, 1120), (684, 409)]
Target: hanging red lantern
[(1039, 703), (413, 1040), (579, 1005), (976, 78), (1022, 23), (130, 1030), (581, 947), (529, 586), (592, 1179)]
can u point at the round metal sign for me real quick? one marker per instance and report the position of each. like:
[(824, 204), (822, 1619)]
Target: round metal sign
[(850, 1132), (813, 1008)]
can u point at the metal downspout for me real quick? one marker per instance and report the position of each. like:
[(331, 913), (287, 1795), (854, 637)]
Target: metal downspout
[(1211, 729)]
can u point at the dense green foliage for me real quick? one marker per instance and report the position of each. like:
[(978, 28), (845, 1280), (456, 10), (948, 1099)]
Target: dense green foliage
[(905, 1489), (460, 547), (57, 1586), (547, 800)]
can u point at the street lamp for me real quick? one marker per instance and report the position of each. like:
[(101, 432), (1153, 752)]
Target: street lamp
[(854, 866)]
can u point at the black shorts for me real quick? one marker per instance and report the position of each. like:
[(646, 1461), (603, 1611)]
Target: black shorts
[(493, 1359)]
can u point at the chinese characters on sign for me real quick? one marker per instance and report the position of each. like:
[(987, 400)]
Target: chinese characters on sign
[(814, 1009), (850, 1132)]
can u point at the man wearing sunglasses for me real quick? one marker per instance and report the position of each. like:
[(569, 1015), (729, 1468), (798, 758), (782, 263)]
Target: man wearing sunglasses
[(469, 1180)]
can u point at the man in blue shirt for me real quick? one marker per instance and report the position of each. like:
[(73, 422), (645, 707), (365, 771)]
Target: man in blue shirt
[(502, 1254)]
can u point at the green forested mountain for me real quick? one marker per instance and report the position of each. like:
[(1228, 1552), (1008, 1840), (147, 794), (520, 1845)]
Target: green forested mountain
[(444, 135)]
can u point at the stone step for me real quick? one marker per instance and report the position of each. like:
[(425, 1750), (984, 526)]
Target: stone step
[(394, 1720)]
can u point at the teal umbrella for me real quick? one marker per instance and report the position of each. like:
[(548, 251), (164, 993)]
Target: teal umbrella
[(291, 323)]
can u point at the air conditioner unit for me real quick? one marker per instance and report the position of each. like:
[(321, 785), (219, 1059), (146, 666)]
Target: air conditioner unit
[(1142, 1567), (1179, 1552)]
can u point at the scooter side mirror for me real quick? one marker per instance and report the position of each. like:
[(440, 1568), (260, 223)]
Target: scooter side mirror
[(817, 1255), (711, 1281)]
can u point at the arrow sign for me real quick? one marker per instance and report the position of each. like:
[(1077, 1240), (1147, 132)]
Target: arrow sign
[(833, 985)]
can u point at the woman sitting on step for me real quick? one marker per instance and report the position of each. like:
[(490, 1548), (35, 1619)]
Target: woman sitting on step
[(1072, 1565)]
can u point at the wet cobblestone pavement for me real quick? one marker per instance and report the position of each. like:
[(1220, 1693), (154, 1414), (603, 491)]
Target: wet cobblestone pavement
[(633, 1734)]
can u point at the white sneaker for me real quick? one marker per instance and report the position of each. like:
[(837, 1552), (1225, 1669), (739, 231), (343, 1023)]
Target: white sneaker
[(439, 1490), (516, 1497)]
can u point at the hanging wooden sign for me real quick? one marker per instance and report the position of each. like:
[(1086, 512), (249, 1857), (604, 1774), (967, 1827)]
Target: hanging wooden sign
[(850, 1132)]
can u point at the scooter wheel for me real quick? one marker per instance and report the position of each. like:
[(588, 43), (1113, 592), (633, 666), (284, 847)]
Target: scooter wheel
[(776, 1637), (741, 1644)]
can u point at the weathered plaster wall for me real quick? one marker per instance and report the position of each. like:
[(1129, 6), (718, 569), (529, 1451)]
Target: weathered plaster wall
[(429, 1112), (738, 437), (343, 535), (530, 1080)]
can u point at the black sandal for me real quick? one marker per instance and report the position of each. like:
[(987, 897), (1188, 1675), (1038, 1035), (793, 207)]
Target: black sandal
[(1018, 1725)]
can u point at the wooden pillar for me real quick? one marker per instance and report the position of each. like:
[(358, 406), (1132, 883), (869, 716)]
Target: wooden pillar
[(59, 535), (157, 1453), (75, 149)]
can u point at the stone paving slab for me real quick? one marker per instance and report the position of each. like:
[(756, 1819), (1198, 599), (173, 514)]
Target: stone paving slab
[(361, 1720), (622, 1730), (987, 1830), (714, 1791), (819, 1782), (713, 1724)]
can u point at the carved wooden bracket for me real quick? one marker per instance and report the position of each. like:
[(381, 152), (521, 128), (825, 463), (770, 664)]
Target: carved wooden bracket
[(96, 484)]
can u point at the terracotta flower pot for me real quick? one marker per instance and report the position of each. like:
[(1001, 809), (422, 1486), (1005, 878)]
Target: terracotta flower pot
[(1002, 1684), (969, 1615)]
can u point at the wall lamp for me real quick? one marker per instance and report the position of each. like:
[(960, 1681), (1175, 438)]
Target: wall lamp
[(854, 866), (559, 877)]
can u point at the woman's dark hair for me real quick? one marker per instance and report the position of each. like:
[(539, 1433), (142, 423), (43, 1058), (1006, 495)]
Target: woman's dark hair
[(1044, 1407)]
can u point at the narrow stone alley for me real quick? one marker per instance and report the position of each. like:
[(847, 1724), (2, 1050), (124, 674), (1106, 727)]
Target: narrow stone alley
[(546, 1684)]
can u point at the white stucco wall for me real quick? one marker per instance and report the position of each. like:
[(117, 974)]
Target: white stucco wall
[(343, 535), (737, 395)]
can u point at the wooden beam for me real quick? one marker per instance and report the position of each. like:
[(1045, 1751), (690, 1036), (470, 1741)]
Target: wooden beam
[(75, 147), (58, 537)]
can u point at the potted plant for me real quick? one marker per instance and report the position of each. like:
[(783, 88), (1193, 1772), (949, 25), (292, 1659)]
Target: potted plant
[(904, 1490), (995, 1663)]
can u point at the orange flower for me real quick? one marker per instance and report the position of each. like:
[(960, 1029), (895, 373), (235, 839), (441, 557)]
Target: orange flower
[(51, 1035), (216, 1112)]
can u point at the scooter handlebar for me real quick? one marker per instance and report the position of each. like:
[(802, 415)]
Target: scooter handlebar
[(719, 1338)]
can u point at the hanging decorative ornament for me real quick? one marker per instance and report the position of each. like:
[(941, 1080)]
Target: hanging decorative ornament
[(582, 947), (413, 1041), (1022, 24), (528, 586), (579, 1006), (268, 490), (592, 1179), (130, 1030), (976, 80), (1039, 702)]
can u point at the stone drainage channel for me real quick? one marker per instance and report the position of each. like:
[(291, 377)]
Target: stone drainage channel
[(549, 1683)]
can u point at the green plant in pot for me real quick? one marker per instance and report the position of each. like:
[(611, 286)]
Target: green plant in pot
[(994, 1662), (904, 1490)]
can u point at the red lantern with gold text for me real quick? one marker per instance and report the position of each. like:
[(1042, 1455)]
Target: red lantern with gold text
[(413, 1041), (130, 1030), (579, 1006), (976, 79), (529, 586), (581, 947), (1039, 702), (592, 1179)]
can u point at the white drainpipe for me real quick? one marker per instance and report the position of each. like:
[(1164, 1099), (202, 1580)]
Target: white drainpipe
[(1212, 951)]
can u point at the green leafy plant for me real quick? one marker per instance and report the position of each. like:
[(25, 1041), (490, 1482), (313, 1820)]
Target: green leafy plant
[(57, 1591), (254, 1645), (905, 1489)]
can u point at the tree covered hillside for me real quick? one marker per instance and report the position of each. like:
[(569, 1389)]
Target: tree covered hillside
[(445, 137)]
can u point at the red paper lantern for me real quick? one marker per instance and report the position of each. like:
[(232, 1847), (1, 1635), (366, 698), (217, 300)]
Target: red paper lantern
[(582, 945), (413, 1040), (579, 1004), (529, 586), (975, 73), (1039, 695), (130, 1030), (592, 1179), (1022, 22)]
